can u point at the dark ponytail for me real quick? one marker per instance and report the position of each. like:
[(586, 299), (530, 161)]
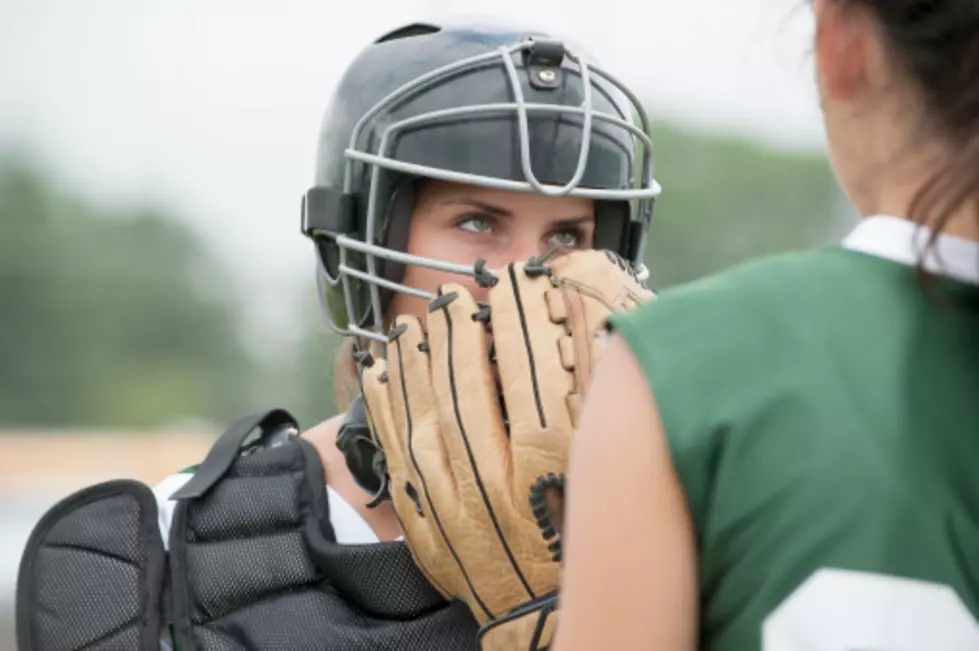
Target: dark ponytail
[(936, 42)]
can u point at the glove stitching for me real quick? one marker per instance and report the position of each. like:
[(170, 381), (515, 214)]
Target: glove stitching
[(409, 426), (527, 346), (472, 460), (546, 520)]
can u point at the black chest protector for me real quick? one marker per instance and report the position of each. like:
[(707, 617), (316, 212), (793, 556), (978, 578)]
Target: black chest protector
[(253, 565)]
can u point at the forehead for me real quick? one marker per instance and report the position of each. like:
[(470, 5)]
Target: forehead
[(442, 195)]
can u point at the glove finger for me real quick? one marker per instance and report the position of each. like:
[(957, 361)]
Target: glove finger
[(472, 425), (604, 278), (377, 400), (476, 439), (380, 416), (410, 377), (592, 286), (535, 381), (387, 408), (427, 457)]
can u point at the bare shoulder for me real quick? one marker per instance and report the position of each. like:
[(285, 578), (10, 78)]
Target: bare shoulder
[(325, 430), (323, 437)]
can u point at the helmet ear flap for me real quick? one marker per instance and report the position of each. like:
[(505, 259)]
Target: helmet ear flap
[(397, 201), (394, 228), (612, 220), (326, 214), (333, 299)]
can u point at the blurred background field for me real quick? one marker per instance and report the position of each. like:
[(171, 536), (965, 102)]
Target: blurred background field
[(154, 286)]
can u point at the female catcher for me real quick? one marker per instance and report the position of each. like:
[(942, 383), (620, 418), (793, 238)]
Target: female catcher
[(466, 178), (799, 430)]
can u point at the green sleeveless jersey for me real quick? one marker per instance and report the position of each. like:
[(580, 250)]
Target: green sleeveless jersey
[(822, 411)]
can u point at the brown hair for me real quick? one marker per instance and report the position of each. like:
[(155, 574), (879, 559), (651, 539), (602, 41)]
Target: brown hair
[(936, 42)]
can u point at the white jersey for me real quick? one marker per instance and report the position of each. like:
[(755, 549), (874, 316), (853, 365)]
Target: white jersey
[(349, 526)]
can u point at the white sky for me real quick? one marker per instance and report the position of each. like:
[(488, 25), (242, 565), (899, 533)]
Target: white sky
[(212, 106)]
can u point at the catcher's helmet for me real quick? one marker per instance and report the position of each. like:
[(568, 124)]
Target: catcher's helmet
[(507, 108)]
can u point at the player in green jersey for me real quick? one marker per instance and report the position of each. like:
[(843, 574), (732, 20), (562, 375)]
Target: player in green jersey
[(785, 456)]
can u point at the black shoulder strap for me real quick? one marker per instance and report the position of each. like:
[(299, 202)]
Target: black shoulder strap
[(92, 573), (239, 569), (229, 446)]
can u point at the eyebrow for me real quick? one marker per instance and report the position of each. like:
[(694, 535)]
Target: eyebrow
[(490, 208), (575, 221), (499, 211)]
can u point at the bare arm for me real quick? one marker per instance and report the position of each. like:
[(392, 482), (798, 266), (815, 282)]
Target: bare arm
[(380, 519), (630, 573)]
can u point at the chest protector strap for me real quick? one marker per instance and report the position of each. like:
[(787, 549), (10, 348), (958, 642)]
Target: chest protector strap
[(253, 565)]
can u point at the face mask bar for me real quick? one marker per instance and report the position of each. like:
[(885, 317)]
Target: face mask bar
[(649, 189)]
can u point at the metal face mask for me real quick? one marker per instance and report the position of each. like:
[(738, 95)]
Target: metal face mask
[(500, 108)]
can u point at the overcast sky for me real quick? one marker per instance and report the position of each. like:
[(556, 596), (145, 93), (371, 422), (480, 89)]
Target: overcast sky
[(212, 106)]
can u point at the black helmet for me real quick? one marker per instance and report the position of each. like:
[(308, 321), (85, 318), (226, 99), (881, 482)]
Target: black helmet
[(502, 107)]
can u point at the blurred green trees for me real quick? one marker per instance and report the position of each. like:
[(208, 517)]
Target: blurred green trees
[(726, 200), (125, 319), (108, 319)]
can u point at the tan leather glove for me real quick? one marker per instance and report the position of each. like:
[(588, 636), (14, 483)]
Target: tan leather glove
[(472, 445)]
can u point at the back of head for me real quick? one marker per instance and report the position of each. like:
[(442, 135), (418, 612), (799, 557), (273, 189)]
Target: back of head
[(936, 43)]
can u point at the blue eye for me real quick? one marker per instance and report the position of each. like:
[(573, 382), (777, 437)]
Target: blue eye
[(476, 224), (568, 238)]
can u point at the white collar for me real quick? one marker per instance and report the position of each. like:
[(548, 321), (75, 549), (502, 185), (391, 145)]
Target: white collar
[(903, 241)]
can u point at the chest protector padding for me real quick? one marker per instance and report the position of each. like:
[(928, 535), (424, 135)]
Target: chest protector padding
[(92, 573), (253, 564)]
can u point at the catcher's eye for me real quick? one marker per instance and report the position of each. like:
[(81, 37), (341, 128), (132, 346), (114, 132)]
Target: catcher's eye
[(480, 224), (569, 238)]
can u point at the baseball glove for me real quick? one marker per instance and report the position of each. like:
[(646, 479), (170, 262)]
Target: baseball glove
[(475, 434)]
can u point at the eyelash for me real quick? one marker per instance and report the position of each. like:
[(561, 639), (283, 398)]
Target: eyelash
[(577, 231)]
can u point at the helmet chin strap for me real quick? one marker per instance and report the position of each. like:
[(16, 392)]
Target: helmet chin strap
[(364, 458)]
